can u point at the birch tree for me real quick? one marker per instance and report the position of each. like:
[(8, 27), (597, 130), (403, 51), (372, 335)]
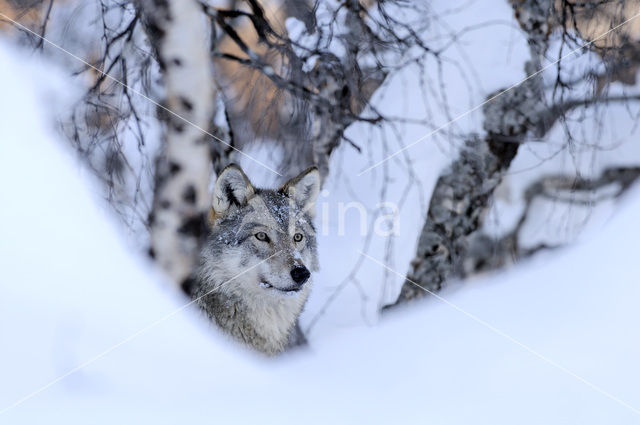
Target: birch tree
[(178, 31), (452, 243)]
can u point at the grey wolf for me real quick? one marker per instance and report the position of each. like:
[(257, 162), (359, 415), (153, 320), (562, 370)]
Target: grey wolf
[(254, 275)]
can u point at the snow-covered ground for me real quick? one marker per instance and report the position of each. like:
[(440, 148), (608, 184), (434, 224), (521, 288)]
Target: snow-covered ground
[(552, 341)]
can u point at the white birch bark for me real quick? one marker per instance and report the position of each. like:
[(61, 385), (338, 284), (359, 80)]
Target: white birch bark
[(178, 31)]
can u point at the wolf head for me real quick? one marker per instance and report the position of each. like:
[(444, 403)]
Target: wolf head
[(261, 249)]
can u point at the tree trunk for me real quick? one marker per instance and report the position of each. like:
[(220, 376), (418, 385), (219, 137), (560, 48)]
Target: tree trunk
[(461, 196), (178, 32)]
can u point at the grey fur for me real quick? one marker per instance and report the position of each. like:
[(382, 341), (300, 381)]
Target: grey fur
[(244, 284)]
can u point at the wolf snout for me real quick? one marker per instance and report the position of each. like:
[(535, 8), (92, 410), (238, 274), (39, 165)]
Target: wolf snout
[(300, 274)]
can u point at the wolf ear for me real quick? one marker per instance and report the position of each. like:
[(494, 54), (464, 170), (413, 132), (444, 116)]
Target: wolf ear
[(232, 188), (303, 190)]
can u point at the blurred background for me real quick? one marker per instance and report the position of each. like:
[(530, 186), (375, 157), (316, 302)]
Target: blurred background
[(476, 226)]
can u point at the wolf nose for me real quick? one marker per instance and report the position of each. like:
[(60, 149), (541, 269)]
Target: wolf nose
[(300, 274)]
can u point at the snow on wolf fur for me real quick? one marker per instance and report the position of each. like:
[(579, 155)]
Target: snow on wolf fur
[(255, 268)]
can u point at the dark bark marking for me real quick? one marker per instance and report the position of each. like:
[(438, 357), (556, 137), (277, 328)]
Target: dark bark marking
[(186, 104), (174, 168), (190, 195), (195, 226)]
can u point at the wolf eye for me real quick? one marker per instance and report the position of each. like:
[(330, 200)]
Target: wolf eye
[(262, 236), (297, 237)]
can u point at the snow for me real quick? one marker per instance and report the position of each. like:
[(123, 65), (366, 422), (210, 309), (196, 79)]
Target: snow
[(74, 295)]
